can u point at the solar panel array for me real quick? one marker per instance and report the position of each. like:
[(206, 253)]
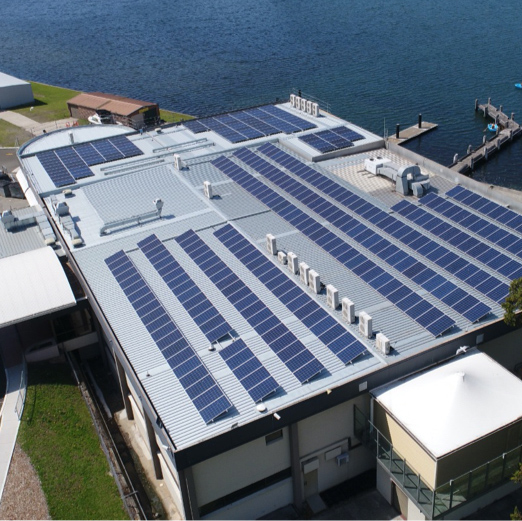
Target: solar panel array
[(331, 139), (291, 351), (199, 384), (487, 207), (250, 124), (465, 304), (420, 310), (423, 245), (66, 165), (467, 244), (254, 377), (340, 341), (482, 227)]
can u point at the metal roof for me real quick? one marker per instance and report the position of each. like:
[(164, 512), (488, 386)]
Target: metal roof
[(8, 81), (122, 189)]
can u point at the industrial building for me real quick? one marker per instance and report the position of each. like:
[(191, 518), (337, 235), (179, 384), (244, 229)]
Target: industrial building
[(14, 92), (264, 280)]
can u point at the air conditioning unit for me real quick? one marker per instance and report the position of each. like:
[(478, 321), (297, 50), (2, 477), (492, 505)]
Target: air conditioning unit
[(342, 459), (207, 189), (303, 104), (382, 343), (282, 257), (365, 324), (309, 107), (304, 271), (292, 262), (332, 296), (314, 281), (348, 310), (315, 110), (292, 100), (178, 164), (271, 244), (297, 102)]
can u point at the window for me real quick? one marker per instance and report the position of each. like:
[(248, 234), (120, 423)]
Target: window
[(274, 436)]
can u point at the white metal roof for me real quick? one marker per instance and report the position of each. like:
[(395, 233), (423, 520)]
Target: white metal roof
[(7, 81), (456, 403), (33, 284)]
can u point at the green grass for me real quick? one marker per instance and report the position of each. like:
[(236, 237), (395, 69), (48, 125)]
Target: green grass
[(9, 134), (173, 117), (50, 103), (58, 435)]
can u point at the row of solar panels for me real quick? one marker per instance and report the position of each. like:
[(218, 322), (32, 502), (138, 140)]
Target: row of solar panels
[(332, 139), (67, 165), (407, 235), (431, 318), (199, 384), (250, 124)]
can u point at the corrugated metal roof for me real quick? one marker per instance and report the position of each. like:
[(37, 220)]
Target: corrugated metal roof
[(115, 104), (124, 189)]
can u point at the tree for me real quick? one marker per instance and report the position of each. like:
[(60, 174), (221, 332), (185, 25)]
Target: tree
[(517, 478), (512, 303)]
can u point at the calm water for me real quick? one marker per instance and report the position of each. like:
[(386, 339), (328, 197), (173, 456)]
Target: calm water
[(375, 62)]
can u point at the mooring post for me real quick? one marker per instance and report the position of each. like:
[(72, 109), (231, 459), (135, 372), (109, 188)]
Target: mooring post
[(476, 104), (455, 159), (397, 130), (486, 111), (500, 108), (484, 138), (489, 101), (486, 153), (512, 116), (470, 149), (420, 120)]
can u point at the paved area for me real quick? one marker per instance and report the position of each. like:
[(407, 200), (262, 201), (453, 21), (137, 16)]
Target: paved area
[(33, 127)]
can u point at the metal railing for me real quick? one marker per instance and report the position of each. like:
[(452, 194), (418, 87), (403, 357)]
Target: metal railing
[(449, 496)]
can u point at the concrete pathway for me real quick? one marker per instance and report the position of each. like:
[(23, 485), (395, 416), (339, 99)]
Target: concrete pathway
[(33, 127), (11, 411)]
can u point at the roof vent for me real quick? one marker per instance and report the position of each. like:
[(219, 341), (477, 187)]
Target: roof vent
[(292, 262), (348, 310), (178, 163), (207, 189), (365, 324), (71, 137), (271, 245), (332, 296)]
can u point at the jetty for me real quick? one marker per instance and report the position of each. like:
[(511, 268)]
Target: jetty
[(402, 136), (507, 130)]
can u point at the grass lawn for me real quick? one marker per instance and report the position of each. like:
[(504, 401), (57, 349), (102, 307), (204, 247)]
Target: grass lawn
[(173, 117), (10, 133), (58, 435), (50, 103)]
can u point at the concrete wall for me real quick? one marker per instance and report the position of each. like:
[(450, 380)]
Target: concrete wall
[(239, 467), (258, 504), (418, 459), (170, 479), (15, 95)]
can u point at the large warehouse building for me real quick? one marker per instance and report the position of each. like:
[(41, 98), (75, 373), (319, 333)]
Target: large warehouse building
[(259, 276)]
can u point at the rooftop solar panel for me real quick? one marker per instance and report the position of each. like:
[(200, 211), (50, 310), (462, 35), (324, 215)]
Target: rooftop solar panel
[(287, 347), (55, 169), (254, 377), (200, 386), (403, 233), (302, 222), (340, 341)]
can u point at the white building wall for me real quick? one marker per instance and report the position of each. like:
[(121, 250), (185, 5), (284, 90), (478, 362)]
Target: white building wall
[(258, 504), (171, 480), (240, 467), (15, 95)]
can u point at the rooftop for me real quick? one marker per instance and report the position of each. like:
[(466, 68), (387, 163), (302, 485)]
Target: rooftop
[(420, 285)]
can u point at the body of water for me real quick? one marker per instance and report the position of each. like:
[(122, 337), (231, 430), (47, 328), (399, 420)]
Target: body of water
[(375, 62)]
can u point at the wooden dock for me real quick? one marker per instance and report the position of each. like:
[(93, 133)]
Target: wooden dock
[(412, 132), (508, 129)]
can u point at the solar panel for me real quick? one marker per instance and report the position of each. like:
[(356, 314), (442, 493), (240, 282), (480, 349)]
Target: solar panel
[(199, 384), (55, 169), (279, 338), (74, 163), (107, 150), (340, 341), (403, 233), (401, 261), (89, 154), (302, 222), (125, 146), (257, 381)]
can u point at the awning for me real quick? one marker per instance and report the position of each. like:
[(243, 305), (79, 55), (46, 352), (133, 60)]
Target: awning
[(32, 284)]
